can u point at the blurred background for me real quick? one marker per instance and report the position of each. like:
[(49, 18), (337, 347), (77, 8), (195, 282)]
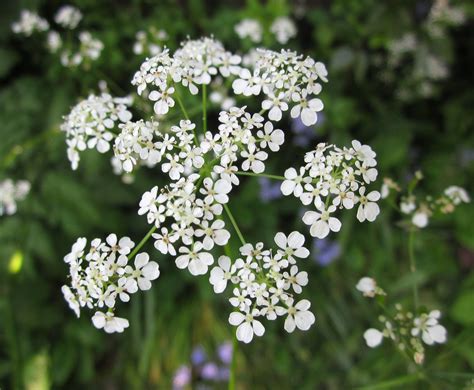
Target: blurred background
[(400, 79)]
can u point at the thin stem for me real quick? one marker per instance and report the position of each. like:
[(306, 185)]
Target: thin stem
[(233, 364), (411, 255), (276, 177), (232, 220), (180, 102), (142, 242), (204, 108), (185, 113)]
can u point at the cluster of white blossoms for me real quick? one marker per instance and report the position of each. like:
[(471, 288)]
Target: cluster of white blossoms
[(68, 17), (150, 41), (204, 166), (91, 123), (332, 179), (195, 63), (283, 28), (420, 211), (89, 49), (249, 28), (11, 193), (286, 79), (264, 285), (407, 331), (86, 50), (29, 23), (104, 274)]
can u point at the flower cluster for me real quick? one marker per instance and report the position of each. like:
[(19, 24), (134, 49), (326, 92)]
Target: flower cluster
[(249, 28), (407, 331), (11, 193), (68, 17), (29, 23), (103, 274), (421, 210), (264, 286), (90, 123), (150, 41), (283, 28), (89, 50), (285, 78), (205, 165), (195, 63), (332, 179), (86, 50)]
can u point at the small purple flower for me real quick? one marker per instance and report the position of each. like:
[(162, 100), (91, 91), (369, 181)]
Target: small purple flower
[(224, 351), (325, 251), (269, 190), (182, 377), (198, 356), (210, 371)]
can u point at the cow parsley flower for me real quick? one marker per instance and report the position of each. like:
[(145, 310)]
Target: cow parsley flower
[(11, 193), (249, 28), (29, 23), (284, 29), (89, 124), (101, 274), (68, 17)]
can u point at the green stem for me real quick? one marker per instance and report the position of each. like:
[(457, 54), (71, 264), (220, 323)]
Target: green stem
[(276, 177), (204, 108), (233, 365), (232, 220), (142, 242), (411, 255), (185, 113)]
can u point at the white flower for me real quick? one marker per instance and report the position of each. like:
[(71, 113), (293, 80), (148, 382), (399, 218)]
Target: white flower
[(68, 17), (373, 337), (296, 279), (213, 234), (276, 105), (293, 183), (284, 29), (307, 109), (145, 271), (109, 322), (457, 194), (254, 159), (29, 23), (292, 245), (249, 28), (322, 223), (221, 274), (196, 261), (367, 286), (216, 190), (274, 138), (364, 153), (163, 100), (431, 331), (298, 315), (11, 193), (164, 241), (247, 325), (420, 219), (368, 209)]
